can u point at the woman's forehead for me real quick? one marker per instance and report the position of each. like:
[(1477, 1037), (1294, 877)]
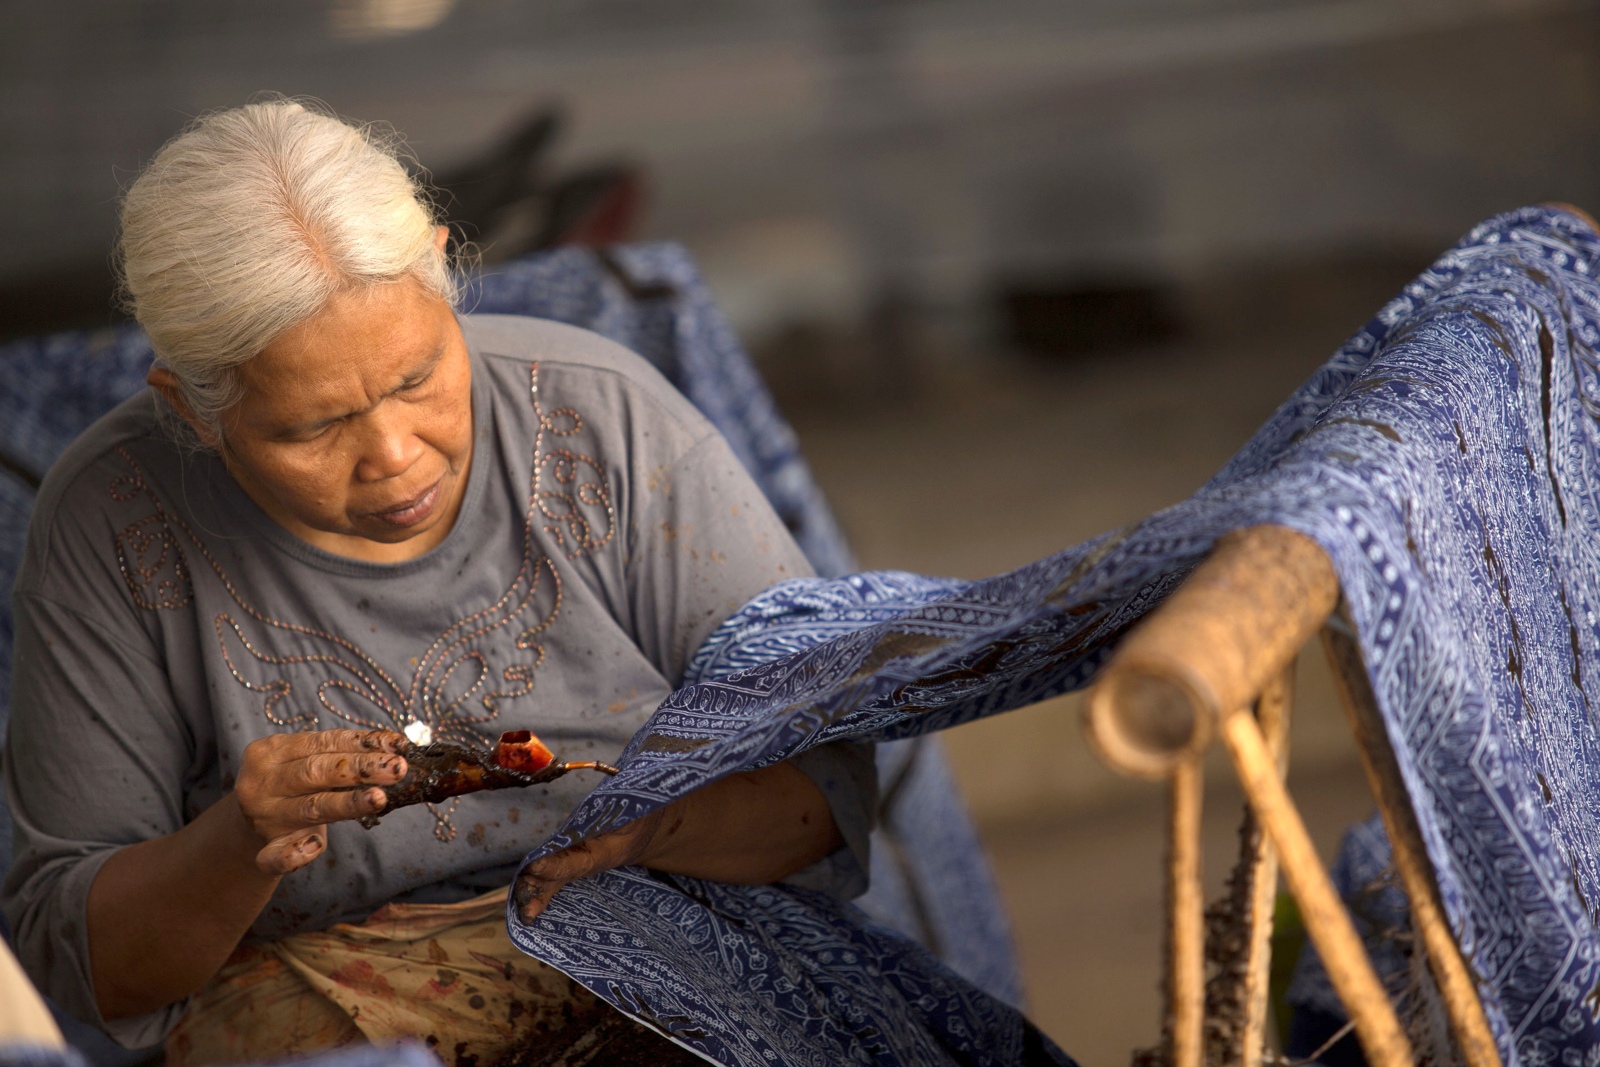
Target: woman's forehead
[(360, 347), (376, 329)]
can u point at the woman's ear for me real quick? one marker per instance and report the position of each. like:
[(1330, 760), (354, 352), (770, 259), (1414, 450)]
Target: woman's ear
[(441, 237), (165, 382)]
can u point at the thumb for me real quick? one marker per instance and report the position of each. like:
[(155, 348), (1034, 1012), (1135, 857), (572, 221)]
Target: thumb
[(540, 880), (291, 851)]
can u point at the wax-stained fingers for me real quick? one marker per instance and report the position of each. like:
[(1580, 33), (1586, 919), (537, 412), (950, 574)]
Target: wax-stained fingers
[(304, 743), (286, 854), (291, 783), (317, 809), (322, 771), (544, 877)]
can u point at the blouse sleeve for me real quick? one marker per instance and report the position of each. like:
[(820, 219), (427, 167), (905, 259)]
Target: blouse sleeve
[(82, 783)]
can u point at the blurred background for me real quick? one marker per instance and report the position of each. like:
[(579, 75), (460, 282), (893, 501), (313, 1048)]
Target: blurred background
[(1018, 270)]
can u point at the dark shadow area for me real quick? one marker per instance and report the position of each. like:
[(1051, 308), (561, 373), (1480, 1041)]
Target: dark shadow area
[(1069, 317), (73, 298)]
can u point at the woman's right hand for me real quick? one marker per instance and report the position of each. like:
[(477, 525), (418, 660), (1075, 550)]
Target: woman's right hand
[(290, 786), (165, 913)]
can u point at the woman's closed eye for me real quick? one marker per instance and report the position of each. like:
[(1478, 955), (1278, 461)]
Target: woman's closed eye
[(414, 385), (307, 434)]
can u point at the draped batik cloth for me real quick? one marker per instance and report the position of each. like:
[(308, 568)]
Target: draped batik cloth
[(1448, 460)]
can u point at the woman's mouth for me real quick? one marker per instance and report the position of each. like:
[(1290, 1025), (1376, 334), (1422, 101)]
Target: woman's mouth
[(412, 511)]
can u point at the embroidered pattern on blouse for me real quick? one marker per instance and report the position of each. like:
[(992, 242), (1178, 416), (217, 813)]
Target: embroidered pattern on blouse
[(452, 688), (563, 506), (149, 555)]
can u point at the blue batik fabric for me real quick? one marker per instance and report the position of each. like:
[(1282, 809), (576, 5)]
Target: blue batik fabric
[(1448, 460)]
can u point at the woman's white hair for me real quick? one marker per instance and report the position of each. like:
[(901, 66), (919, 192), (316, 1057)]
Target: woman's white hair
[(245, 224)]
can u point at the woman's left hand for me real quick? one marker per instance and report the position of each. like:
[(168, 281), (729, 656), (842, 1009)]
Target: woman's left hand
[(631, 844), (749, 829)]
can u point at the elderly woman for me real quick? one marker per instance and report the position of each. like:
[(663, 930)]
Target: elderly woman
[(344, 515)]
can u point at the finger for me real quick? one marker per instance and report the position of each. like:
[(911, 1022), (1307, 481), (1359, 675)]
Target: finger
[(531, 896), (287, 747), (542, 878), (290, 852), (314, 809), (579, 861), (533, 893), (354, 740), (323, 771)]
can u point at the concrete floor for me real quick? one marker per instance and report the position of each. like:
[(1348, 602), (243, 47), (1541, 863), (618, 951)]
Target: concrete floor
[(988, 464)]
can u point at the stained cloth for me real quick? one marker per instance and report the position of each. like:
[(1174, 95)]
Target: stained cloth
[(1447, 458), (443, 974), (928, 876)]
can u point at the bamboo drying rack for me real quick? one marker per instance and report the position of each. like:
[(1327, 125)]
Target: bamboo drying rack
[(1216, 660)]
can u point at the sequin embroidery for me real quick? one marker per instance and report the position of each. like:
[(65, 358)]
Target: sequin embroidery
[(453, 687)]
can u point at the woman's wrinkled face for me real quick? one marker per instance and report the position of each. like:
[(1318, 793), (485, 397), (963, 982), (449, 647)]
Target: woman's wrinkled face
[(355, 429)]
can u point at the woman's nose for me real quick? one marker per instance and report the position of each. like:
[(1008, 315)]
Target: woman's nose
[(388, 447)]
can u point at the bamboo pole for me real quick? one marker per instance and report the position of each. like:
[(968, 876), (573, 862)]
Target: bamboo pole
[(1191, 670), (1186, 981), (1230, 629), (1272, 712), (1328, 924), (1456, 985), (1239, 927)]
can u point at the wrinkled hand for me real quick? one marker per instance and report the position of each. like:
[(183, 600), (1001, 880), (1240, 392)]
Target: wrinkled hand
[(631, 844), (290, 786)]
